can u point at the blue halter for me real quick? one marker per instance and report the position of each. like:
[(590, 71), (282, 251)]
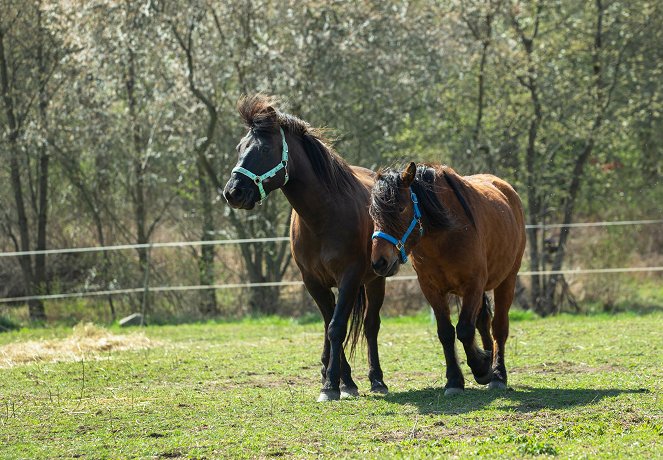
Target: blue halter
[(259, 179), (400, 244)]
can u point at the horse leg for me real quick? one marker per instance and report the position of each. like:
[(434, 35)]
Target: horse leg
[(324, 299), (483, 324), (503, 298), (375, 296), (447, 335), (478, 360), (337, 331)]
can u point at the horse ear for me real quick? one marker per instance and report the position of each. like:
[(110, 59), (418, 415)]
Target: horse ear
[(408, 174), (270, 112)]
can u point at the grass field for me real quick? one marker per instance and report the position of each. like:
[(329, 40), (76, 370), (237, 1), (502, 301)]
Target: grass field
[(581, 386)]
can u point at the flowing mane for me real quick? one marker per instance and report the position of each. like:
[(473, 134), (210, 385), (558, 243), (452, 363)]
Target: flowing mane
[(260, 113)]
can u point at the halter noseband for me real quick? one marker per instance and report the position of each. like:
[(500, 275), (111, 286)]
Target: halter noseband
[(259, 179), (400, 244)]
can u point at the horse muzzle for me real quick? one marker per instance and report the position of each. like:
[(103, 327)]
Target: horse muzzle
[(239, 197), (385, 268)]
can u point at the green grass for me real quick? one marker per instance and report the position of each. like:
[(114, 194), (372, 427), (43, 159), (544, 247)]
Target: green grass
[(581, 386)]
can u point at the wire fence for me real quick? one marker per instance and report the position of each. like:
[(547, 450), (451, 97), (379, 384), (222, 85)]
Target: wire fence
[(182, 244)]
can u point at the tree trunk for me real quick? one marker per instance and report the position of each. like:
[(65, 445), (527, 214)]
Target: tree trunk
[(42, 170), (209, 305), (535, 211), (35, 307), (205, 171), (602, 101), (138, 190), (265, 300)]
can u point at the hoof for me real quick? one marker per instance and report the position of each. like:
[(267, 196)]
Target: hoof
[(497, 385), (348, 392), (378, 387), (329, 395), (453, 391)]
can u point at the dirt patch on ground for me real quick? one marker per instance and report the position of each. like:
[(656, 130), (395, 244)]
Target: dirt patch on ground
[(86, 341), (431, 431), (565, 367)]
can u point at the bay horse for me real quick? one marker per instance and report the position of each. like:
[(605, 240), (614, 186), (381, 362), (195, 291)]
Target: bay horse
[(330, 229), (466, 236)]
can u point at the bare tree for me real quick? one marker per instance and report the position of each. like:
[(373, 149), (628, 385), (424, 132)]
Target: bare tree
[(602, 88), (29, 57), (204, 176)]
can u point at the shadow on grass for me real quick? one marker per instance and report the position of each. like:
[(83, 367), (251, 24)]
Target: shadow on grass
[(522, 399)]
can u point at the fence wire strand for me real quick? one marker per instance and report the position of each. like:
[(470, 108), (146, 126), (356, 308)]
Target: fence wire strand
[(183, 244), (137, 290)]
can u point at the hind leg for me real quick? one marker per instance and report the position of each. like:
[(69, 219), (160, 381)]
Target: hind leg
[(447, 335), (503, 298), (478, 360), (483, 324), (375, 296)]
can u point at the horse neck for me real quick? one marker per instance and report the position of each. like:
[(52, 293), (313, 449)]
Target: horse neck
[(307, 196)]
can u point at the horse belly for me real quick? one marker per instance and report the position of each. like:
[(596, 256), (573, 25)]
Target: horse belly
[(328, 258)]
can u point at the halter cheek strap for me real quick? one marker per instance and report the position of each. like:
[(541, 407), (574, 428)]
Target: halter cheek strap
[(259, 179), (400, 244)]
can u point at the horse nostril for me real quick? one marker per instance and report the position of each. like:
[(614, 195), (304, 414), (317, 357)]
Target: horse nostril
[(234, 194), (380, 264)]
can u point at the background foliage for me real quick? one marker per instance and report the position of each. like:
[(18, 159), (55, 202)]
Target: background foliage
[(106, 106)]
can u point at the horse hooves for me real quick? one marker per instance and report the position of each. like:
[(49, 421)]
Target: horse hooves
[(497, 385), (379, 388), (453, 391), (348, 392), (329, 395)]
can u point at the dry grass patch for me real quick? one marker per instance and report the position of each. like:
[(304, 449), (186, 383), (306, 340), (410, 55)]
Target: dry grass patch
[(86, 340)]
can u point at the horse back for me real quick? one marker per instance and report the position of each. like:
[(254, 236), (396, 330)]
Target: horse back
[(489, 242), (500, 221)]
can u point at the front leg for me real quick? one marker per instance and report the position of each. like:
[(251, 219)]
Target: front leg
[(324, 299), (375, 295), (480, 361), (439, 302), (348, 297), (348, 386)]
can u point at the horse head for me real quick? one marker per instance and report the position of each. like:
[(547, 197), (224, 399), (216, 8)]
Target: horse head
[(263, 155), (395, 211)]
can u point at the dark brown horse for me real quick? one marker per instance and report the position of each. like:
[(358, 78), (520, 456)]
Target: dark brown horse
[(466, 236), (330, 230)]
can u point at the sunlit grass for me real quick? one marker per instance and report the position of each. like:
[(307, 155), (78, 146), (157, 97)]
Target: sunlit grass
[(581, 386)]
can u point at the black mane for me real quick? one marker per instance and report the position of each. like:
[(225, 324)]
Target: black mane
[(384, 208), (260, 114)]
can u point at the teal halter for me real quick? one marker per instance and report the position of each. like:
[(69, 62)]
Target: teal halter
[(259, 179), (400, 244)]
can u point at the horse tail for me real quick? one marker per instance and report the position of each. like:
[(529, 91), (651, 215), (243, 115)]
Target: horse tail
[(357, 321), (486, 308)]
